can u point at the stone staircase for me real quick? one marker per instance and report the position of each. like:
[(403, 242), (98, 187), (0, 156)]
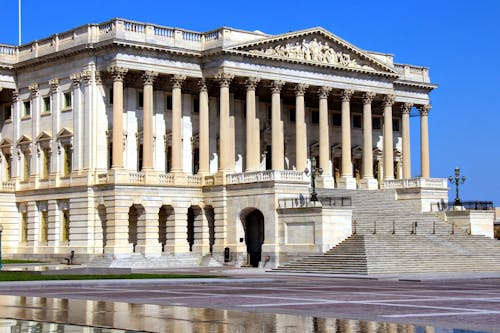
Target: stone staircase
[(137, 260), (386, 241)]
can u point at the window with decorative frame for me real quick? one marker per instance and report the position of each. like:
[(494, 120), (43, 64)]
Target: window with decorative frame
[(65, 150), (27, 108), (44, 225), (7, 112), (46, 104), (65, 225), (68, 100), (23, 230)]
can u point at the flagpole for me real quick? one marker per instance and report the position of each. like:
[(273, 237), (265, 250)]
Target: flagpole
[(19, 20)]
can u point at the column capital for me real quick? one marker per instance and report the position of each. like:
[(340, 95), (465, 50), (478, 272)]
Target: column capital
[(76, 78), (424, 109), (300, 89), (368, 97), (177, 80), (202, 85), (118, 73), (54, 85), (323, 92), (251, 83), (149, 77), (388, 100), (86, 76), (276, 86), (346, 95), (34, 90), (406, 107), (224, 79)]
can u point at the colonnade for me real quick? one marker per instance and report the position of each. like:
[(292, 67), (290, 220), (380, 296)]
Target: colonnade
[(252, 154)]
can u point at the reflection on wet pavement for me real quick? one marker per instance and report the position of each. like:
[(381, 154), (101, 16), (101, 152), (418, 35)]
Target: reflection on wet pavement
[(158, 318)]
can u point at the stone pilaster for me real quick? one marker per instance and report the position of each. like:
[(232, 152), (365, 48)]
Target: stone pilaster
[(117, 231), (368, 182), (118, 74), (424, 141), (277, 145), (226, 160), (35, 120), (252, 132), (16, 120), (201, 234), (300, 127), (147, 232), (177, 81), (325, 180), (147, 159), (346, 178), (388, 138), (204, 129), (177, 231), (405, 110)]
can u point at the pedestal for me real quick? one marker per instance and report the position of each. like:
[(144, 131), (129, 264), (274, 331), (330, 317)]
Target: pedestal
[(326, 181), (347, 182), (368, 184)]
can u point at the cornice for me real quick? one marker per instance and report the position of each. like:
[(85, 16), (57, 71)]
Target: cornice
[(427, 86)]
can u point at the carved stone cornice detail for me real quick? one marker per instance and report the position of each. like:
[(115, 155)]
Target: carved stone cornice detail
[(424, 109), (202, 85), (323, 92), (54, 85), (300, 89), (76, 78), (117, 73), (311, 50), (276, 86), (388, 100), (368, 97), (15, 96), (224, 79), (86, 77), (149, 77), (406, 107), (177, 81), (251, 83), (346, 95), (34, 90)]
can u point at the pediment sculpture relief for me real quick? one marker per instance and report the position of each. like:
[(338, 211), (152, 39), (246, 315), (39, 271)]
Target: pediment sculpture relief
[(312, 50)]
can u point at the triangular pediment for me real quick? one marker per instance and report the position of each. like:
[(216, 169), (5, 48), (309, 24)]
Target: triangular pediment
[(64, 133), (5, 143), (315, 46), (24, 140), (44, 136)]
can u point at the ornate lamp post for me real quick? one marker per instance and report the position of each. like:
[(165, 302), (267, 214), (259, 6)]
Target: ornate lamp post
[(314, 170), (457, 181)]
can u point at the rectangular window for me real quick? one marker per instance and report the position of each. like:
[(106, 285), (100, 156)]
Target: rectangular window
[(68, 100), (68, 160), (356, 121), (7, 112), (8, 168), (65, 226), (26, 168), (27, 109), (377, 123), (44, 223), (46, 163), (395, 124), (140, 99), (169, 102), (292, 115), (336, 119), (46, 104), (24, 227), (315, 117)]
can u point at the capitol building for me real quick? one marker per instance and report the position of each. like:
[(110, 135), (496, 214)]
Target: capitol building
[(125, 139)]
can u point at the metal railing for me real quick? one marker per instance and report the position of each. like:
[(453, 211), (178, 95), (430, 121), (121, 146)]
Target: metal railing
[(464, 205)]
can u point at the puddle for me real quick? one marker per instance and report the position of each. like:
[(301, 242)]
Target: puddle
[(41, 314)]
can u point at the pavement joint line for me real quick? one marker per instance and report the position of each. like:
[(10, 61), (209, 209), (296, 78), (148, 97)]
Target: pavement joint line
[(419, 306), (439, 314), (285, 304)]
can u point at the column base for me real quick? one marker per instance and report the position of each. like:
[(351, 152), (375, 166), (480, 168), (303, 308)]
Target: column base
[(369, 184), (149, 250), (325, 181), (347, 182), (119, 249), (177, 249)]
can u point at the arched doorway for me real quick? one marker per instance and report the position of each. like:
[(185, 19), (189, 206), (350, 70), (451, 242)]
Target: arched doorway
[(193, 215), (101, 210), (210, 216), (163, 215), (135, 215), (254, 235)]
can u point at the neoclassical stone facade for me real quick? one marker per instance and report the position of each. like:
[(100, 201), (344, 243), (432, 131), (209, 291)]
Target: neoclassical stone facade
[(124, 137)]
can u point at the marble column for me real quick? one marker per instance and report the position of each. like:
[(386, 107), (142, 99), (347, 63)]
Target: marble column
[(300, 128), (252, 136), (388, 140), (177, 81), (226, 161), (346, 178), (277, 146), (405, 110), (325, 180), (424, 141), (368, 182), (147, 158), (118, 74), (204, 129)]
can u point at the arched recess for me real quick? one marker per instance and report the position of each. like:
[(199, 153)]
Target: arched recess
[(136, 225), (166, 212), (210, 216), (253, 224), (101, 211), (194, 222)]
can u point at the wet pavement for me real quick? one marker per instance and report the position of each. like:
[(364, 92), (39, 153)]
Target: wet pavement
[(261, 303)]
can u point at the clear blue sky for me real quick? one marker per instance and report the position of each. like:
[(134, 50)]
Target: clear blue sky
[(459, 40)]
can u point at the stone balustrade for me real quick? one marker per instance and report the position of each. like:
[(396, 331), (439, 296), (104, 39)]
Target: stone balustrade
[(435, 183), (267, 175), (413, 73)]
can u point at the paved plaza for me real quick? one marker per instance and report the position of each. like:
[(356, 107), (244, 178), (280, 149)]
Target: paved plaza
[(460, 303)]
